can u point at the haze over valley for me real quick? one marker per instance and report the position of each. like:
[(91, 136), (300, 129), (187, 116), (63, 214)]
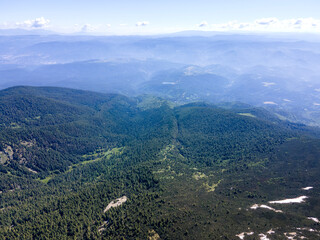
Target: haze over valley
[(280, 73)]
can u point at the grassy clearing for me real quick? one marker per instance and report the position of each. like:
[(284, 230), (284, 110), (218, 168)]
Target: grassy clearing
[(153, 235), (212, 187), (46, 180), (97, 156), (199, 175), (159, 171), (166, 151), (283, 118), (3, 158), (14, 125)]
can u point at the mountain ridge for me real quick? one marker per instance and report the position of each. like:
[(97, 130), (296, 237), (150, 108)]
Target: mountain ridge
[(187, 172)]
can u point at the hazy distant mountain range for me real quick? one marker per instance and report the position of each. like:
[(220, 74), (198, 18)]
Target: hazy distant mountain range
[(279, 72)]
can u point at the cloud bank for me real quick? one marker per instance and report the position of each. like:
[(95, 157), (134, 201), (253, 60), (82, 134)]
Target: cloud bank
[(88, 28), (35, 23), (203, 24), (272, 25), (142, 24)]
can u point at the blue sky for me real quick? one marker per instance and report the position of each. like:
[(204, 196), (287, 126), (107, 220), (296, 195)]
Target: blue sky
[(151, 16)]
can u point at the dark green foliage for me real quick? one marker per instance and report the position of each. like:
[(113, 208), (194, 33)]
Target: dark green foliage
[(190, 172), (211, 135)]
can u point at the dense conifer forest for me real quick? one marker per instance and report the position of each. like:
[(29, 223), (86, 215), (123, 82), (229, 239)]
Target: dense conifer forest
[(191, 171)]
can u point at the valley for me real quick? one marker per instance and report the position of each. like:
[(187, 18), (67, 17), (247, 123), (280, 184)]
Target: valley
[(279, 73), (160, 120)]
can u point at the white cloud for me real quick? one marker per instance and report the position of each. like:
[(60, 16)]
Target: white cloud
[(203, 24), (88, 28), (4, 25), (271, 25), (268, 84), (35, 23), (266, 21), (142, 24)]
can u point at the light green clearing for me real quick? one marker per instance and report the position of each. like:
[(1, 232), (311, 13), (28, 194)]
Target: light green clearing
[(46, 180), (211, 188), (98, 156), (153, 235), (247, 115), (199, 175), (164, 152), (15, 125), (103, 155), (167, 177), (283, 118), (292, 138), (3, 158), (159, 171), (166, 170)]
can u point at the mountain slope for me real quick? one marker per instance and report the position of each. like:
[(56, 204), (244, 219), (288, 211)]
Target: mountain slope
[(187, 172)]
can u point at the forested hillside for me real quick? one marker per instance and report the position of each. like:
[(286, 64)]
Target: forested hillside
[(85, 165)]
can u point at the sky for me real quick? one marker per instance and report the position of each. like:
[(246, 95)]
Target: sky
[(154, 17)]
